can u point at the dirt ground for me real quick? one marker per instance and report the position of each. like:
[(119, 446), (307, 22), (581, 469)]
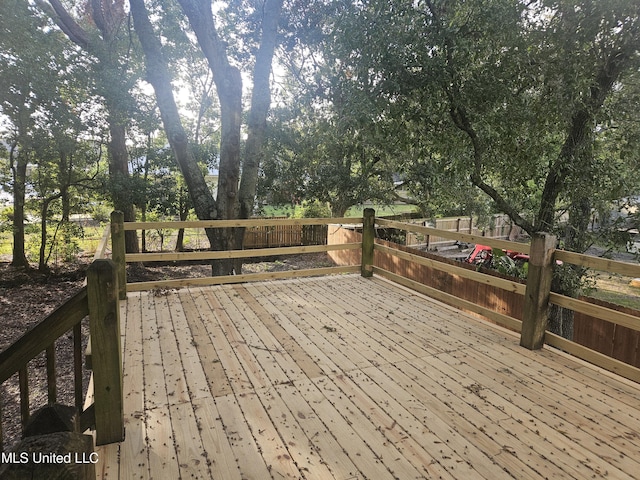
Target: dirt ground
[(27, 297)]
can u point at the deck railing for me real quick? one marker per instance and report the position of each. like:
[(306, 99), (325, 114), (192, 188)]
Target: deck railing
[(107, 284), (536, 292), (98, 299), (207, 256)]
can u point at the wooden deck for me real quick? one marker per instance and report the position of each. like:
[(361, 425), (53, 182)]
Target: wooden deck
[(350, 378)]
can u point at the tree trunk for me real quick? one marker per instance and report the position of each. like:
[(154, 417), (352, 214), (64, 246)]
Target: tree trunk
[(257, 123), (160, 78), (183, 208), (19, 169), (228, 81), (44, 211), (260, 104), (119, 174), (108, 18), (65, 169)]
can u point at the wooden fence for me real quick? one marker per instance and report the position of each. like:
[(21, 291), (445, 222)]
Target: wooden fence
[(267, 236), (499, 226), (502, 300), (497, 299), (615, 341)]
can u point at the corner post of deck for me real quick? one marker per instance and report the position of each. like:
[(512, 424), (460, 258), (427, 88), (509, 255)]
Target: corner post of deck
[(536, 300), (104, 324), (368, 236), (118, 251)]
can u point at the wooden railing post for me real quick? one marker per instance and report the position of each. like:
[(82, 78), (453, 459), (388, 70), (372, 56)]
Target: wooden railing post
[(118, 251), (536, 299), (104, 322), (368, 235)]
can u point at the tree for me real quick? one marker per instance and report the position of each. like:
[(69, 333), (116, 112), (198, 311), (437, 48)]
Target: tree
[(509, 93), (312, 160), (329, 141), (104, 36), (65, 166), (511, 97), (233, 199), (28, 73)]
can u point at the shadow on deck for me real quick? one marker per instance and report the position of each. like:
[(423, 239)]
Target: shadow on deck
[(351, 378)]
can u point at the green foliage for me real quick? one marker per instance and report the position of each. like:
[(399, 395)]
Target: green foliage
[(572, 280), (490, 99), (6, 219), (506, 265), (65, 242), (101, 213), (314, 209)]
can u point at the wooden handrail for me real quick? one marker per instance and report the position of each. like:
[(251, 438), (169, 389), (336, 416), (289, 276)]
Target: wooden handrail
[(465, 237), (257, 252), (98, 299), (580, 351), (37, 339), (245, 277), (593, 310), (479, 277), (543, 297), (101, 250), (596, 263), (251, 222), (41, 338)]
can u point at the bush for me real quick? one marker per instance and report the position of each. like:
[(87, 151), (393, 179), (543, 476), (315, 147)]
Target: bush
[(314, 209)]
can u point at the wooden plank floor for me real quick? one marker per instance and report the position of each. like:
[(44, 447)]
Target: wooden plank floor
[(349, 378)]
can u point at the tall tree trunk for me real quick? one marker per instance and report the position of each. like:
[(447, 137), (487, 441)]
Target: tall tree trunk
[(260, 104), (160, 78), (108, 18), (183, 210), (65, 167), (44, 212), (119, 174), (257, 122), (236, 201), (228, 83), (18, 163)]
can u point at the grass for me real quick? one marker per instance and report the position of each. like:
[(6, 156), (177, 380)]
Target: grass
[(86, 244), (616, 289), (6, 243), (357, 211)]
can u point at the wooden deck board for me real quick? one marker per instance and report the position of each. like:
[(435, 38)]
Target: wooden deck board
[(133, 387), (349, 378)]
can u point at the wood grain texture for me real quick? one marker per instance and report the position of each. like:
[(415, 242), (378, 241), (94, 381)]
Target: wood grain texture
[(344, 377)]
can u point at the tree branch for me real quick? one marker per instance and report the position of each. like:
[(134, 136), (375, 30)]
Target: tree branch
[(66, 23)]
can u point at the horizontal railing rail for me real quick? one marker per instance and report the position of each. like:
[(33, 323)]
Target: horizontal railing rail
[(459, 236), (101, 250), (210, 255), (241, 278), (250, 222), (217, 255), (475, 275), (597, 263)]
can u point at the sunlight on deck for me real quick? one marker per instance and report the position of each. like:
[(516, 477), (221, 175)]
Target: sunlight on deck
[(348, 378)]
